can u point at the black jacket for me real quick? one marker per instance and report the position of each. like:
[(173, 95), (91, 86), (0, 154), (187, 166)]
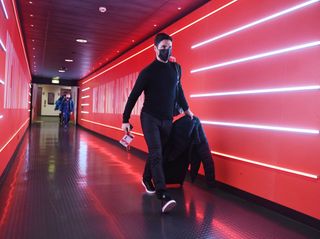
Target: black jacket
[(187, 136)]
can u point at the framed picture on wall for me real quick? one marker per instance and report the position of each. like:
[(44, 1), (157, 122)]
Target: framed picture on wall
[(50, 98)]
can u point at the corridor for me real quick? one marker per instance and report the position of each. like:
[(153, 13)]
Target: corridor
[(73, 184)]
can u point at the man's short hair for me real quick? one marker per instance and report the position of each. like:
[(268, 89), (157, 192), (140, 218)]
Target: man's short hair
[(161, 36)]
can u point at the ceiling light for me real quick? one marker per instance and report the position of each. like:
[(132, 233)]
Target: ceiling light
[(33, 48), (179, 8), (81, 40), (55, 81), (30, 2), (34, 56), (155, 25), (132, 40), (33, 40), (61, 71), (31, 25), (68, 60), (31, 15), (102, 9)]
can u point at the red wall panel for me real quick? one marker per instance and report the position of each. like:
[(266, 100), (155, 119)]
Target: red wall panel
[(14, 85), (266, 46)]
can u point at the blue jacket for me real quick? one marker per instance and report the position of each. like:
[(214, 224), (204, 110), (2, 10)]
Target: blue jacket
[(67, 106)]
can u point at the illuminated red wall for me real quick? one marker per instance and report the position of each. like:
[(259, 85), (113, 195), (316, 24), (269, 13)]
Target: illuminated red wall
[(14, 85), (280, 52)]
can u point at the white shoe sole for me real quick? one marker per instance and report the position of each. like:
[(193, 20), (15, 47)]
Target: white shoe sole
[(169, 206), (150, 192)]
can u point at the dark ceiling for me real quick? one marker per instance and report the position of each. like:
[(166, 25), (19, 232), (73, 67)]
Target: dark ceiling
[(51, 27)]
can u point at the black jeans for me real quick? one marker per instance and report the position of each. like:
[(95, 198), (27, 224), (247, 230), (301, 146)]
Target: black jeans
[(156, 133)]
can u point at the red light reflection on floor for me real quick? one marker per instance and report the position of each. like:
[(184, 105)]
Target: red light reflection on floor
[(12, 187)]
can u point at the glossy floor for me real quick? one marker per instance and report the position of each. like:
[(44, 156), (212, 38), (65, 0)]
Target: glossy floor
[(73, 184)]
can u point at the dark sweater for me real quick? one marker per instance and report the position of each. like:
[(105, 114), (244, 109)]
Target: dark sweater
[(158, 82)]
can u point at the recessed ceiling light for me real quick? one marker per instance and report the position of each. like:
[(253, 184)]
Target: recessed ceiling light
[(33, 48), (33, 40), (68, 60), (102, 9), (179, 8), (31, 15), (81, 40), (30, 2), (31, 25), (132, 40), (155, 25), (118, 51), (61, 71), (34, 56), (55, 81)]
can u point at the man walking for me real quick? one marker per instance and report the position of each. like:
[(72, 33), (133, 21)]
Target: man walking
[(159, 83)]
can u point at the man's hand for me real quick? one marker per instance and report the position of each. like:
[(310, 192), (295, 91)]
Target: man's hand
[(189, 113), (126, 127)]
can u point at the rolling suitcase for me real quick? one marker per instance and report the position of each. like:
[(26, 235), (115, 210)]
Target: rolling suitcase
[(175, 171)]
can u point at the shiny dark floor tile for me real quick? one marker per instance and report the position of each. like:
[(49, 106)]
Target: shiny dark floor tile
[(73, 184)]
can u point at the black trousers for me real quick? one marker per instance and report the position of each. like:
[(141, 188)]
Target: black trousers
[(156, 133)]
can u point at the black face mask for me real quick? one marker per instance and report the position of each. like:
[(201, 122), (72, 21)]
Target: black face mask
[(164, 54)]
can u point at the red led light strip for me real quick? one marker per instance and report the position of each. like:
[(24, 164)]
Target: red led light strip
[(111, 127), (22, 43), (14, 135), (287, 170)]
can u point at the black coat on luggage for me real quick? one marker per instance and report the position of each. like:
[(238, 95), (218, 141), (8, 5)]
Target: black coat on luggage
[(187, 145)]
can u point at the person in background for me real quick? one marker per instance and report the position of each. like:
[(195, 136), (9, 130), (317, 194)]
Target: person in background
[(58, 106), (159, 82), (67, 107)]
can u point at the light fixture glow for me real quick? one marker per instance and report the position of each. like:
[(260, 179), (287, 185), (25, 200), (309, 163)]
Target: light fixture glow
[(267, 165), (102, 9), (110, 126), (61, 71), (85, 89), (85, 104), (82, 40), (2, 46), (68, 60), (55, 81), (86, 96), (1, 82), (4, 9), (84, 112), (261, 55), (260, 91), (265, 19), (14, 135), (1, 116), (262, 127), (150, 46), (29, 102)]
